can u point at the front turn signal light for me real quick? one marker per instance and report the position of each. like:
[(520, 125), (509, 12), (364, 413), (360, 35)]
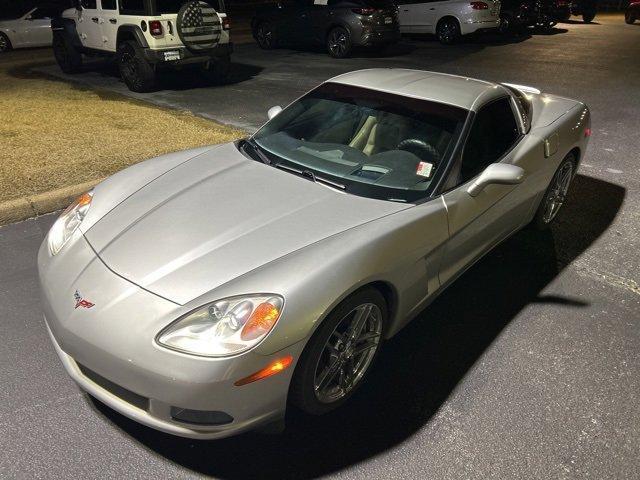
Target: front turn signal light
[(273, 368)]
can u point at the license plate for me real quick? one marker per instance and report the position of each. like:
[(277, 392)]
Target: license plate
[(172, 55), (388, 20)]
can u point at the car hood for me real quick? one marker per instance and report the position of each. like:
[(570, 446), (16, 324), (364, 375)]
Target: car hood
[(217, 217)]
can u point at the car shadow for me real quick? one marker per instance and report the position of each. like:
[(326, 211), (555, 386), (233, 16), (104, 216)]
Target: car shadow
[(420, 367)]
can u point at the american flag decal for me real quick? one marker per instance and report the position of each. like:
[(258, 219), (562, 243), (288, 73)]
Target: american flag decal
[(199, 26)]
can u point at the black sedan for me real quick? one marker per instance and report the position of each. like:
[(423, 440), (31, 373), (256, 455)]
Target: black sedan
[(341, 25)]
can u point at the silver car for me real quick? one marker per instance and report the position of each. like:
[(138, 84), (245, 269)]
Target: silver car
[(203, 292)]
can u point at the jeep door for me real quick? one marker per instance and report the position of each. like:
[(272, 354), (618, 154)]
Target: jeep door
[(108, 21), (88, 24)]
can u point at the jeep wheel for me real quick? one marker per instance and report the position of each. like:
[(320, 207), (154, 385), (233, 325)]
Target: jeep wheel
[(137, 73), (629, 18), (265, 37), (217, 70), (68, 57), (5, 43)]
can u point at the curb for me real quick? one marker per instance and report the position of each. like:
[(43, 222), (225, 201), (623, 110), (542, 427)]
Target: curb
[(23, 208)]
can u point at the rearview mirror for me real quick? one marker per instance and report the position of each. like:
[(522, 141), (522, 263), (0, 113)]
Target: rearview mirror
[(273, 111), (496, 173)]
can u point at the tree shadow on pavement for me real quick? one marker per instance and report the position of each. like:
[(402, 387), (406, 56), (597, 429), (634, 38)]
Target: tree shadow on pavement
[(420, 367)]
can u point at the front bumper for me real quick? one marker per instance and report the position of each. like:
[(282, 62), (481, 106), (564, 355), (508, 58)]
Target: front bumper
[(186, 56), (110, 352)]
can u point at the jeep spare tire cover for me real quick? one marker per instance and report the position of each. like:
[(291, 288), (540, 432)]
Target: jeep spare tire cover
[(199, 26)]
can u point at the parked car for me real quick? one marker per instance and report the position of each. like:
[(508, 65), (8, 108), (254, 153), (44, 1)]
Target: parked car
[(145, 36), (516, 14), (340, 25), (33, 29), (202, 292), (633, 12), (448, 19), (587, 9)]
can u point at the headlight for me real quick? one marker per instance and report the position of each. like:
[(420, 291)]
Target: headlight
[(226, 327), (69, 222)]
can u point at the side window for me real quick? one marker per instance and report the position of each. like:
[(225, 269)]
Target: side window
[(132, 7), (89, 4), (108, 4), (42, 13), (493, 133)]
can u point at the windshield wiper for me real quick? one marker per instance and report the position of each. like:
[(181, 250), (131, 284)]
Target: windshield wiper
[(308, 174), (254, 146)]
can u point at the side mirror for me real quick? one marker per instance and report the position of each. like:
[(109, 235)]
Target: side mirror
[(496, 173), (273, 111)]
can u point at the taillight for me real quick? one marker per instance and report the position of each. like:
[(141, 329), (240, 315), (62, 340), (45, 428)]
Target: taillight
[(364, 11), (226, 24), (587, 132), (155, 28), (479, 6)]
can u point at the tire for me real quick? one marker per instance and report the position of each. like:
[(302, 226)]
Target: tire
[(629, 18), (67, 55), (339, 42), (317, 357), (588, 15), (5, 43), (506, 25), (448, 31), (136, 72), (543, 218), (217, 70), (265, 36)]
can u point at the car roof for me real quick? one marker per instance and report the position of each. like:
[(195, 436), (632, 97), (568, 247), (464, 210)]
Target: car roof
[(464, 92)]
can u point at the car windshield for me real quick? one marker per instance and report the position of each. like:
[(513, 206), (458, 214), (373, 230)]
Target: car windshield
[(368, 142)]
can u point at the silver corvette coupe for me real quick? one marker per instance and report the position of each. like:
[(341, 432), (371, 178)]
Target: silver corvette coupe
[(202, 292)]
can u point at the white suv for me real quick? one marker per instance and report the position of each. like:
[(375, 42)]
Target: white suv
[(448, 19), (145, 36)]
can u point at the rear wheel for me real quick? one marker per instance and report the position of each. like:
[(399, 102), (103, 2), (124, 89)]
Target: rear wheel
[(5, 43), (217, 69), (629, 18), (506, 24), (448, 31), (556, 194), (589, 15), (338, 357), (67, 55), (339, 42), (136, 72), (265, 36)]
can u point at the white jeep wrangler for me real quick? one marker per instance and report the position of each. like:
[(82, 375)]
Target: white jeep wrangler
[(145, 36)]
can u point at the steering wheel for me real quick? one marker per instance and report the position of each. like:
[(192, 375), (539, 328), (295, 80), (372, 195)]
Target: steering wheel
[(421, 149)]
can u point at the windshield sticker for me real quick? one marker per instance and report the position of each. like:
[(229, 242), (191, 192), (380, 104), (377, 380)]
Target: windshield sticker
[(424, 169)]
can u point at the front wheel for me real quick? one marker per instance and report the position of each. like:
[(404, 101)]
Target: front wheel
[(340, 354), (556, 194), (448, 31), (339, 43), (217, 69), (629, 18), (135, 70), (67, 55), (588, 15), (265, 36), (5, 43), (506, 25)]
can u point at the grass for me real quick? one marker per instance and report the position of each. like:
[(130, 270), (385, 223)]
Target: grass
[(55, 134)]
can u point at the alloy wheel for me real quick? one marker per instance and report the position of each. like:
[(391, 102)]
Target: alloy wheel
[(129, 68), (4, 44), (446, 33), (558, 192), (348, 353), (338, 43), (265, 36)]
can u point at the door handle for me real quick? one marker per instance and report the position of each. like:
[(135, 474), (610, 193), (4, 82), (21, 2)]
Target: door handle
[(405, 10), (94, 19), (432, 8), (113, 20)]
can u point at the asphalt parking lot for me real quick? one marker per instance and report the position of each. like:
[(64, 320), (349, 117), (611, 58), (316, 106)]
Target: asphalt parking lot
[(527, 367)]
